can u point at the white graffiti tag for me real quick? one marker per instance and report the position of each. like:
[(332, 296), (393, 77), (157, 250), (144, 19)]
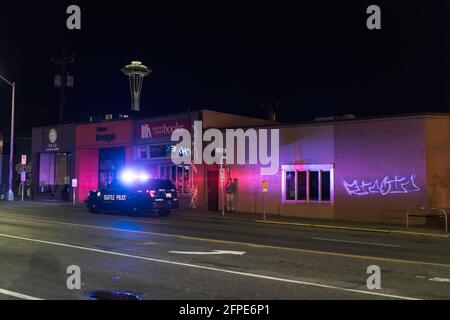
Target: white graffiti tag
[(397, 185)]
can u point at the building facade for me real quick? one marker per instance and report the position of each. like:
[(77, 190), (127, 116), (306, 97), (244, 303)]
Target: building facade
[(53, 156), (370, 170), (360, 170)]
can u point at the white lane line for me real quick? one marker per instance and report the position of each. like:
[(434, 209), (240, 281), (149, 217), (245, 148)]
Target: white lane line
[(439, 279), (247, 244), (145, 222), (214, 252), (18, 295), (358, 242), (245, 274)]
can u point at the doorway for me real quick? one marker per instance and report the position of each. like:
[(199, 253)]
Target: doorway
[(213, 190), (111, 162)]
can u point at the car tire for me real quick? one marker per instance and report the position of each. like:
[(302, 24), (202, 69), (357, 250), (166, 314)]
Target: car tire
[(164, 213), (94, 209), (135, 212)]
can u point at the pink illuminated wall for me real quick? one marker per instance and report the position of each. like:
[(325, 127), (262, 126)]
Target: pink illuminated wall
[(90, 138), (87, 172)]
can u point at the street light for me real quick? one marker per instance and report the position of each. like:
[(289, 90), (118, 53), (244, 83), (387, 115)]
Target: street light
[(11, 149)]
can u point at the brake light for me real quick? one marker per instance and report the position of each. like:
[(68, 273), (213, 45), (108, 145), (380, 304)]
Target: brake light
[(151, 193)]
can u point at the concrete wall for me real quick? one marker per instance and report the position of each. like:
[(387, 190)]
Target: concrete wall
[(369, 152), (382, 168), (438, 162), (298, 146)]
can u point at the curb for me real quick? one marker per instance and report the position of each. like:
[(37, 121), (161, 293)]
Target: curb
[(322, 226)]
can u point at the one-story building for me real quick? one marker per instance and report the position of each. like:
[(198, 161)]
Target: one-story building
[(369, 170)]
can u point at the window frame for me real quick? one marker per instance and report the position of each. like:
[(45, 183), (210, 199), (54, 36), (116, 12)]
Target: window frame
[(148, 150), (175, 180), (307, 168)]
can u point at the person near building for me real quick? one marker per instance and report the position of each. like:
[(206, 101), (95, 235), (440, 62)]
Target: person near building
[(230, 194)]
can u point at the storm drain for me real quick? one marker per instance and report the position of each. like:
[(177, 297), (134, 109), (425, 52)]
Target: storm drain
[(113, 295)]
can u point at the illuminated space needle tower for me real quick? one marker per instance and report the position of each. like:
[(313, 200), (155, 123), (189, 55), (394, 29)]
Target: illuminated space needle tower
[(136, 72)]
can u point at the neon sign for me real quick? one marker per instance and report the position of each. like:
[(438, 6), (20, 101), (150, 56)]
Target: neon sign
[(387, 186)]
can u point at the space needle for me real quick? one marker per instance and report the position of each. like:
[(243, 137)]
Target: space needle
[(136, 72)]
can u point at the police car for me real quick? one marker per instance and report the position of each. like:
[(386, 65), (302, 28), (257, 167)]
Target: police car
[(135, 196)]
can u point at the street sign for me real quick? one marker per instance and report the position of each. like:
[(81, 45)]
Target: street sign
[(23, 176), (265, 186), (74, 183), (24, 159)]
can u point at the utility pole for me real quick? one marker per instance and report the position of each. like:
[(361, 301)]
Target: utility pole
[(11, 138), (63, 80)]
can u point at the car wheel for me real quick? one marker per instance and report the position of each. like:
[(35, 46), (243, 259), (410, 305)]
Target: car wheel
[(164, 213), (93, 208), (135, 211)]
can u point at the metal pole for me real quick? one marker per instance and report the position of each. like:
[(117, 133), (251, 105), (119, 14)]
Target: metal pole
[(23, 187), (221, 187), (264, 205), (11, 148), (73, 196)]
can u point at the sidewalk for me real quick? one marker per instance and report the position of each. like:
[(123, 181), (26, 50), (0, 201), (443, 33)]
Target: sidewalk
[(320, 223), (286, 221), (52, 203)]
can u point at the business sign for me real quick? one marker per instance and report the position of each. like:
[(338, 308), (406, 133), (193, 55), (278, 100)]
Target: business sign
[(160, 129), (52, 143), (104, 133)]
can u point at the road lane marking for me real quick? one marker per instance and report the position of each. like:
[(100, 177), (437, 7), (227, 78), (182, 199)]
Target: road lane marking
[(358, 242), (18, 295), (195, 266), (145, 222), (214, 252), (251, 245), (439, 279)]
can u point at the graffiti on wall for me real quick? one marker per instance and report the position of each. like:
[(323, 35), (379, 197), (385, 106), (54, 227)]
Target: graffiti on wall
[(387, 186)]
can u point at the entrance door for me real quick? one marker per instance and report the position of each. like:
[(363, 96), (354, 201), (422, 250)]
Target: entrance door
[(213, 191), (111, 161)]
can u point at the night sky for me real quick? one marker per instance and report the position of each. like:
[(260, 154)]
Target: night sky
[(316, 57)]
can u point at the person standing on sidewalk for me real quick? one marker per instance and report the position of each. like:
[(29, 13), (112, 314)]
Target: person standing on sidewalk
[(230, 194)]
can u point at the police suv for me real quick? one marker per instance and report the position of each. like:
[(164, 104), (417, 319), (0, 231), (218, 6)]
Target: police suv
[(152, 195)]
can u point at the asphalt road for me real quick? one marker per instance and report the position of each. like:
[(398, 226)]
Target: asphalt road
[(199, 257)]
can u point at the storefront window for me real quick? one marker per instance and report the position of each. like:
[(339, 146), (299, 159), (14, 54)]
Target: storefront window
[(290, 185), (326, 186), (46, 172), (147, 152), (314, 186), (186, 180), (308, 183), (141, 152), (160, 151), (179, 175), (54, 176), (302, 194)]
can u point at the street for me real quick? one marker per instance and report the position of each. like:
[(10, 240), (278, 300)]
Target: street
[(195, 256)]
